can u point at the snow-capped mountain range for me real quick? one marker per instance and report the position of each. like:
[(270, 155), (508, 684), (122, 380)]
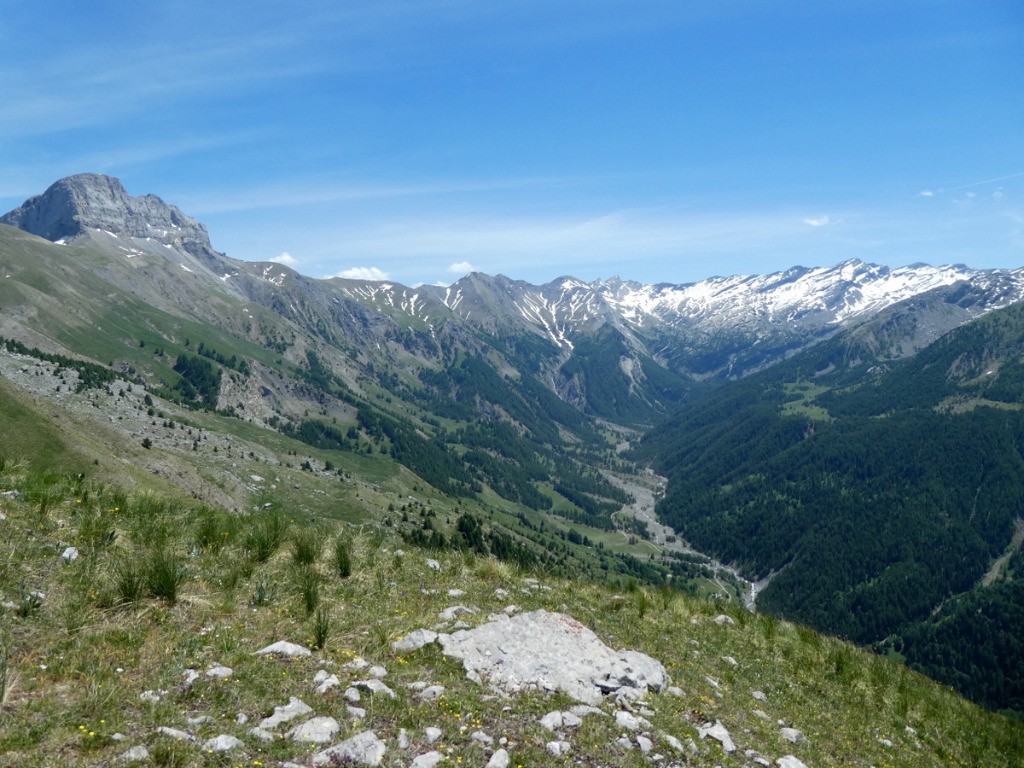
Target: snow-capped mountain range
[(783, 310), (721, 327)]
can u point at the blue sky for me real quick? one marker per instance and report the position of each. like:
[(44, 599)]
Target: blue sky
[(416, 140)]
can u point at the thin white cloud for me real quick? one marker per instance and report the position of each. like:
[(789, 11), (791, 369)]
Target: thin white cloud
[(513, 244), (307, 192), (362, 273), (989, 181), (462, 268), (285, 258), (821, 221), (926, 193), (655, 244)]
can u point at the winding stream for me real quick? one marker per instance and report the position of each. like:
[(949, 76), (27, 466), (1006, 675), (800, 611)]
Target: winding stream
[(645, 489)]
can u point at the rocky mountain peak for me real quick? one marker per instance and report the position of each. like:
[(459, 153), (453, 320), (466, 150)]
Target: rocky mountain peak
[(76, 204)]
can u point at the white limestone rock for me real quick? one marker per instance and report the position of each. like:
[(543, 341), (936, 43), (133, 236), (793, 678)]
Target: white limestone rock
[(558, 748), (430, 693), (427, 760), (219, 672), (374, 686), (176, 734), (135, 754), (792, 735), (284, 649), (673, 742), (362, 749), (553, 652), (453, 612), (285, 712), (317, 730), (552, 721), (222, 743), (630, 722), (415, 640), (329, 682), (718, 732)]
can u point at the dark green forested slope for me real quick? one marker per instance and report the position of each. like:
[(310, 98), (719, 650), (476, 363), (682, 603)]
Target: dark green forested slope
[(609, 392), (871, 497), (975, 643)]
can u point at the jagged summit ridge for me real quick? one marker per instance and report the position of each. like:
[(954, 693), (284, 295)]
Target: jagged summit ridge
[(75, 204), (720, 326), (800, 299)]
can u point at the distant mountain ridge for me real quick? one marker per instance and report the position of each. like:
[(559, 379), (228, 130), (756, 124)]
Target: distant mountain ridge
[(717, 328)]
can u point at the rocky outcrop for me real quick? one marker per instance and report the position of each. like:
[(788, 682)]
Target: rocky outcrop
[(552, 652), (93, 201)]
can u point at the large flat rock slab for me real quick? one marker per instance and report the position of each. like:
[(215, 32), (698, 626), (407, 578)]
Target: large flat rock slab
[(553, 652)]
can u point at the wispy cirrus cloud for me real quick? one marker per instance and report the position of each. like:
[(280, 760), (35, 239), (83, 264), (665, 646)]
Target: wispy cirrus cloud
[(665, 245), (998, 194), (318, 191), (821, 221)]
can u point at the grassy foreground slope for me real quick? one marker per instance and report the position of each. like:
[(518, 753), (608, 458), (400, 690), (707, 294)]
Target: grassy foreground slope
[(160, 587)]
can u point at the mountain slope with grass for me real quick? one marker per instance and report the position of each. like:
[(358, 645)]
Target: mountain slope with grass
[(494, 416), (131, 625)]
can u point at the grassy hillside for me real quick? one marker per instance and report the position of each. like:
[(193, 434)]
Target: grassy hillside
[(159, 588)]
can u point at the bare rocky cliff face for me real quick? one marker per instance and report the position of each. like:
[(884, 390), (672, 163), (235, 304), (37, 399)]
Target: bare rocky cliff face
[(93, 201)]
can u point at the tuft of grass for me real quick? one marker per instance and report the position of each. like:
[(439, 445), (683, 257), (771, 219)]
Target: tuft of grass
[(308, 583), (214, 530), (490, 570), (321, 627), (129, 582), (643, 602), (667, 596), (342, 557), (264, 535), (306, 545), (94, 527), (164, 576)]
